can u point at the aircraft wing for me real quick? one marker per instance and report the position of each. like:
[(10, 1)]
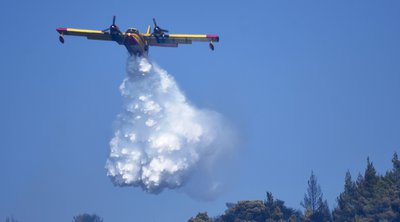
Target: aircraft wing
[(90, 34), (172, 40)]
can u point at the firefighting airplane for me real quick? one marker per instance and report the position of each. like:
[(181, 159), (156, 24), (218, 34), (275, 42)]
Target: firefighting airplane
[(138, 43)]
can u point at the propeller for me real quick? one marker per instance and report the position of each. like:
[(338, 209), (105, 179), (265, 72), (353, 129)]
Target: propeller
[(158, 29), (112, 26), (155, 23)]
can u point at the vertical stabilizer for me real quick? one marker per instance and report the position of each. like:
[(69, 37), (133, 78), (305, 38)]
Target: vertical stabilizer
[(148, 29)]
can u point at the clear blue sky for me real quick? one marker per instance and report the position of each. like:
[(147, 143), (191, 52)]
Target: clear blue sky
[(310, 85)]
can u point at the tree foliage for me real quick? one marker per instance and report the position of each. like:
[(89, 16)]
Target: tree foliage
[(371, 197), (269, 210), (11, 219), (200, 217), (316, 209), (87, 218)]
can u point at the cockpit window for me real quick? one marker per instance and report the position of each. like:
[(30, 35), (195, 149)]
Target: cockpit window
[(132, 30)]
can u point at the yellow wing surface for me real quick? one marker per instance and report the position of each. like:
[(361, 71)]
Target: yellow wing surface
[(90, 34), (172, 40)]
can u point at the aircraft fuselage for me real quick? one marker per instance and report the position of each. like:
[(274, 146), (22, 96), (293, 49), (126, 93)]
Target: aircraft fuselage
[(135, 44)]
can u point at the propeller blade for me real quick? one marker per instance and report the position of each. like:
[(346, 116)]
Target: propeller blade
[(155, 23), (113, 20)]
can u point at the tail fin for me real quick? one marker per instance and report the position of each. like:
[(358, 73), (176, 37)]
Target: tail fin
[(148, 30)]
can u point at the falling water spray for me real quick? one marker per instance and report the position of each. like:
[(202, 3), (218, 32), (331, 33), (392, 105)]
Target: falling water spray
[(161, 140)]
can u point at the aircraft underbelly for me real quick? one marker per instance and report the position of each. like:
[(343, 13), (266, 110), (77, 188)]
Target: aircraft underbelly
[(135, 44)]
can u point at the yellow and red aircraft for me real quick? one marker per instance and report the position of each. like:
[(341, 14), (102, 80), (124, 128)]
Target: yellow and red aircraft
[(138, 43)]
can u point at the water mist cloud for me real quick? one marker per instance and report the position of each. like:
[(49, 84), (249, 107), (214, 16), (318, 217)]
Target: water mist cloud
[(161, 140)]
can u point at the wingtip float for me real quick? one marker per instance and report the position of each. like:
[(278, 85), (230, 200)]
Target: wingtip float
[(138, 43)]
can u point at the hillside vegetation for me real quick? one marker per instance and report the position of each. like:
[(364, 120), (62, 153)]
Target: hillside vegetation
[(371, 197)]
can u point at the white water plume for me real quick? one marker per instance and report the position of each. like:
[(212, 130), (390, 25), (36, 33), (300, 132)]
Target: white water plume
[(161, 140)]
